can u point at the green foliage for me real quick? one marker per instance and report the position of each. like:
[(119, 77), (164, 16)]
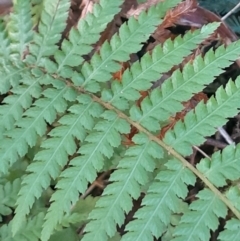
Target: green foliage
[(64, 119), (160, 202), (8, 192)]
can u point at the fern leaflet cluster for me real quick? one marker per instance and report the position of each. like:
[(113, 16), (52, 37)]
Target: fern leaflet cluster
[(64, 119)]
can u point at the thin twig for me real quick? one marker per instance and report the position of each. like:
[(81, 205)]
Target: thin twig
[(202, 152), (230, 12)]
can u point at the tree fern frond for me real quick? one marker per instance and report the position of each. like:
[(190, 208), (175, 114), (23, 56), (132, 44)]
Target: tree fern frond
[(8, 194), (142, 74), (204, 120), (21, 99), (30, 231), (54, 155), (222, 166), (15, 143), (99, 145), (163, 103), (52, 24), (231, 232), (20, 26), (131, 174), (129, 40), (85, 35), (162, 199), (202, 216)]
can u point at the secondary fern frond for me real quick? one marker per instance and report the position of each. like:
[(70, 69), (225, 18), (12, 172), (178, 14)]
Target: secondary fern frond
[(99, 145), (8, 194), (129, 40), (21, 99), (52, 24), (202, 216), (20, 27), (49, 161), (131, 174), (162, 199), (204, 120), (45, 110), (15, 142), (142, 74), (30, 231), (222, 166), (87, 33), (163, 103)]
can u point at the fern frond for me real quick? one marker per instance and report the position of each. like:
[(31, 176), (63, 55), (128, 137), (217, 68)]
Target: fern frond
[(15, 143), (202, 216), (13, 106), (20, 27), (231, 232), (142, 74), (162, 199), (129, 40), (204, 120), (52, 24), (99, 145), (222, 166), (61, 144), (131, 174), (8, 194), (30, 231), (85, 35), (163, 103)]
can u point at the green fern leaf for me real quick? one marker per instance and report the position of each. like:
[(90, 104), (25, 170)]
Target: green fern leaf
[(231, 232), (99, 145), (30, 230), (20, 27), (8, 194), (222, 166), (11, 76), (131, 174), (129, 40), (233, 194), (163, 103), (21, 99), (141, 74), (162, 199), (45, 110), (52, 24), (49, 161), (87, 33), (202, 216), (16, 142), (204, 120)]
